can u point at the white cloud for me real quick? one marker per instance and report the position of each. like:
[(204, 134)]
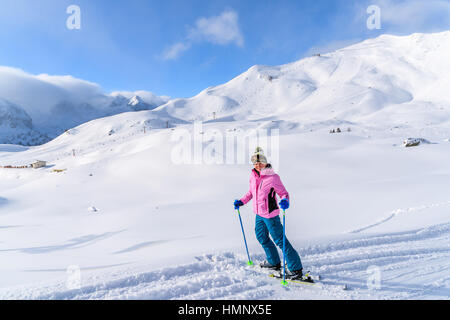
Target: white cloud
[(78, 89), (38, 94), (175, 50), (221, 30), (415, 15), (33, 94)]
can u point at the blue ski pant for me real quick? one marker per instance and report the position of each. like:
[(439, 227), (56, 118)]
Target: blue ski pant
[(273, 227)]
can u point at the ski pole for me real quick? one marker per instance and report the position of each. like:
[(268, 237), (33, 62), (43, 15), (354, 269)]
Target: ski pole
[(250, 263), (284, 282)]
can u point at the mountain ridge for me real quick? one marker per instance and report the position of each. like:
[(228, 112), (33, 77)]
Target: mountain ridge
[(389, 80)]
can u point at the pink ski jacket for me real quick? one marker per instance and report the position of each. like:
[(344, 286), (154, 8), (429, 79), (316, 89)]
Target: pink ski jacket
[(264, 187)]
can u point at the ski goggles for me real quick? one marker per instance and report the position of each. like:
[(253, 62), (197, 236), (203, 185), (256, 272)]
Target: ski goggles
[(258, 158)]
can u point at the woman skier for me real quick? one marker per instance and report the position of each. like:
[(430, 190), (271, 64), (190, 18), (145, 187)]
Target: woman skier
[(265, 184)]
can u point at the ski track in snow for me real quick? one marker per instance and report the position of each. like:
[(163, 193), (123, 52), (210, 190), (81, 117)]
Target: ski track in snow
[(397, 212), (412, 266)]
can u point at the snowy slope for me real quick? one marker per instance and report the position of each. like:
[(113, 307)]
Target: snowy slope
[(139, 226), (393, 80)]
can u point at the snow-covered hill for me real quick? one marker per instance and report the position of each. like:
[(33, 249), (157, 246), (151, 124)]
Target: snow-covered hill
[(387, 80), (114, 216)]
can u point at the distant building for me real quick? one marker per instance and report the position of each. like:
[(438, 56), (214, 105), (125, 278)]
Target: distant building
[(39, 164)]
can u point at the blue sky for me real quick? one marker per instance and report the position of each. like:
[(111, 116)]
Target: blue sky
[(180, 47)]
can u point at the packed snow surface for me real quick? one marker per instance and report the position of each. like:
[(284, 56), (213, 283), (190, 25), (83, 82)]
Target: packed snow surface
[(114, 215)]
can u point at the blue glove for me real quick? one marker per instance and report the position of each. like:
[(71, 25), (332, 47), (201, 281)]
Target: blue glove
[(237, 204), (284, 204)]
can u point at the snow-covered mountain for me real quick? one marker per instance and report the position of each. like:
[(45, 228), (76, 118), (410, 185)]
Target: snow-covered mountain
[(53, 104), (12, 116), (136, 103), (16, 126), (66, 115), (389, 80), (114, 215)]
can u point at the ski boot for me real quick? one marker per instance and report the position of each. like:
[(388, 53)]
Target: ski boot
[(299, 276), (296, 275), (267, 265)]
